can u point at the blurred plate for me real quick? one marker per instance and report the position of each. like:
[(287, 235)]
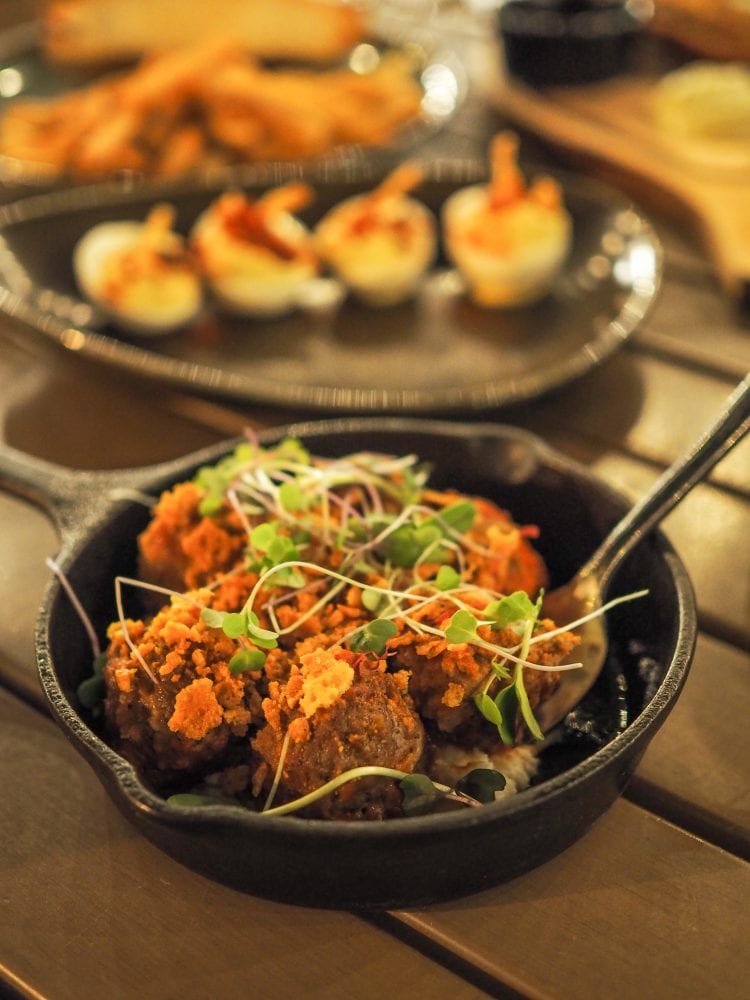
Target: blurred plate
[(438, 351), (25, 73)]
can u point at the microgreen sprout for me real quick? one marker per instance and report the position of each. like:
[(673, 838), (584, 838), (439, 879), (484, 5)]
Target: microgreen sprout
[(447, 578), (404, 546), (91, 691), (481, 784), (420, 793), (240, 624), (462, 628), (77, 606), (373, 637), (216, 479), (372, 510), (252, 660), (514, 611), (274, 548)]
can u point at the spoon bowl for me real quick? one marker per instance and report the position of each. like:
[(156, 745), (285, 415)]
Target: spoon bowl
[(586, 592)]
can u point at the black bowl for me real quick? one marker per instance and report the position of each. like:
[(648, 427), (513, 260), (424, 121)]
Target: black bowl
[(552, 42), (402, 862)]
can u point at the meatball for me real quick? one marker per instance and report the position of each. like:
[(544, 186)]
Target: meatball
[(337, 711), (445, 676), (176, 707), (499, 555), (182, 549)]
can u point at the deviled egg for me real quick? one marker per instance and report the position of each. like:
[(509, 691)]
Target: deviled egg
[(380, 243), (507, 240), (254, 253), (139, 273)]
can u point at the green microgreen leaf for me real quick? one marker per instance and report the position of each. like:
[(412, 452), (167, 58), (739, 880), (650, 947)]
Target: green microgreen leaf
[(213, 618), (92, 689), (291, 497), (488, 708), (462, 627), (511, 610), (500, 711), (281, 549), (373, 637), (481, 784), (524, 705), (500, 669), (276, 548), (262, 535), (447, 578), (215, 480), (292, 450), (211, 504), (247, 659), (289, 576), (235, 624), (420, 794), (409, 542), (240, 624), (262, 637), (372, 599), (415, 478), (458, 516), (91, 692), (507, 706), (194, 799), (405, 545)]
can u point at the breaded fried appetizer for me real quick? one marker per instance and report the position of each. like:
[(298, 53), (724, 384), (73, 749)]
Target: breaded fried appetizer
[(173, 706), (339, 710), (338, 637)]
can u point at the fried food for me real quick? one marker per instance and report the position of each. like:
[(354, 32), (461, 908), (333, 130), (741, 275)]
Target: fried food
[(368, 716), (346, 617), (175, 705), (207, 105), (81, 32)]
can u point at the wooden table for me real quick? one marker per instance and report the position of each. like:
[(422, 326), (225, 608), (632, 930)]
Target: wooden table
[(653, 902)]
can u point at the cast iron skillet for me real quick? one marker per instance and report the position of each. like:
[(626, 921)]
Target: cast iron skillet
[(413, 861)]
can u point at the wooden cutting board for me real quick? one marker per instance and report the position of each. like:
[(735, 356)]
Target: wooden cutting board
[(609, 126)]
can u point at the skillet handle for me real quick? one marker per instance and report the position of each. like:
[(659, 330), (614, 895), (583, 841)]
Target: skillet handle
[(67, 496)]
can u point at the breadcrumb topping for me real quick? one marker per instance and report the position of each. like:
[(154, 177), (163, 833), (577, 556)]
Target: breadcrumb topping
[(325, 678), (196, 710)]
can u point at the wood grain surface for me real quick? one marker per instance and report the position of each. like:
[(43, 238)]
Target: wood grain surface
[(90, 910), (654, 901)]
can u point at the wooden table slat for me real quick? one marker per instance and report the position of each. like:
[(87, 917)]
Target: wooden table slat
[(634, 908), (696, 771), (644, 405), (121, 919)]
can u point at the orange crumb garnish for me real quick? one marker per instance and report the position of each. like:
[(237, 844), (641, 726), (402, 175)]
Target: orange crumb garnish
[(196, 710), (325, 678)]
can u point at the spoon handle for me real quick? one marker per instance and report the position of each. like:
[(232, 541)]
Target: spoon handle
[(677, 481)]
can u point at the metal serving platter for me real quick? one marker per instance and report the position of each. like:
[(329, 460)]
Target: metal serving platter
[(438, 351)]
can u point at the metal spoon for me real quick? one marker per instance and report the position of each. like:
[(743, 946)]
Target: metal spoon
[(587, 589)]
